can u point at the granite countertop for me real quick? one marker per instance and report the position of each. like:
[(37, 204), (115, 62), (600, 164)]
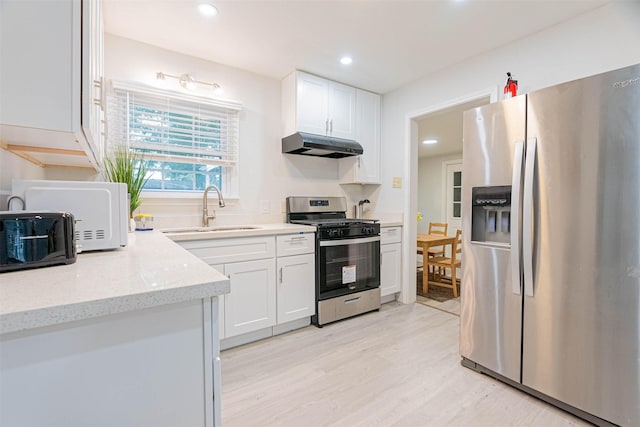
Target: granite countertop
[(151, 271)]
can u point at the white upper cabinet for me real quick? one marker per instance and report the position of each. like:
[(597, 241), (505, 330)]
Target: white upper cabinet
[(342, 111), (319, 106), (364, 169), (51, 85), (312, 104)]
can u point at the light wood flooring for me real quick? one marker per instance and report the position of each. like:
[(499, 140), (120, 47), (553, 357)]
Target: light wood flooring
[(450, 306), (399, 367)]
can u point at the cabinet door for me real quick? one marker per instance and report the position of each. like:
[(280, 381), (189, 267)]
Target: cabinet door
[(342, 111), (390, 268), (368, 135), (251, 304), (145, 368), (364, 169), (312, 104), (40, 68), (92, 76), (296, 287)]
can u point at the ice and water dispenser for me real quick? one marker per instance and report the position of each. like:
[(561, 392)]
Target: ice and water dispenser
[(491, 214)]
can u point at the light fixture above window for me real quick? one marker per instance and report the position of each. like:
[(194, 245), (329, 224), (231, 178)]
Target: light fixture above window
[(430, 141), (187, 81)]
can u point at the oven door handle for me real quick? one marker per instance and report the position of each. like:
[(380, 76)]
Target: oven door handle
[(345, 242)]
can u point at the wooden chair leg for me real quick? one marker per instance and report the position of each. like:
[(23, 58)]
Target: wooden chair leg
[(454, 282), (425, 280)]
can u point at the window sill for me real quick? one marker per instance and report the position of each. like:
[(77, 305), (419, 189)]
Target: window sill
[(183, 195)]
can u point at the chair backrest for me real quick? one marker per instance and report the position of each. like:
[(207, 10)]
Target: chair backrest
[(438, 228), (456, 248)]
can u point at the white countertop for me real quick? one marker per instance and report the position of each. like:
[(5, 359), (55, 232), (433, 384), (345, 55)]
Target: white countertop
[(151, 271), (231, 231)]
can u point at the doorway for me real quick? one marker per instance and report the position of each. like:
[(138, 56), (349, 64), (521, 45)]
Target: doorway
[(431, 200)]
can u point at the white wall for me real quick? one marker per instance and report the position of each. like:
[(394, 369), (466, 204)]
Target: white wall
[(12, 166), (265, 174), (598, 41), (430, 189)]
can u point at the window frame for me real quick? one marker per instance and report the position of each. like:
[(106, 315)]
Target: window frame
[(230, 174)]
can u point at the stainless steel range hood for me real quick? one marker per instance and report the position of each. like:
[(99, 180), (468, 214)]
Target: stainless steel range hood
[(309, 144)]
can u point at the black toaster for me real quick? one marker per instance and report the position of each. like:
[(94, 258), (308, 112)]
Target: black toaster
[(36, 239)]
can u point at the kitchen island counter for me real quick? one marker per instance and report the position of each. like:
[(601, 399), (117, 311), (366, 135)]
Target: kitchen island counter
[(151, 271)]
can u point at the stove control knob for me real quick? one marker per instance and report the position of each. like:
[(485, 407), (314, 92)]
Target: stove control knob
[(336, 232)]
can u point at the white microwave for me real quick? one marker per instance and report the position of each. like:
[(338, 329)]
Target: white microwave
[(100, 209)]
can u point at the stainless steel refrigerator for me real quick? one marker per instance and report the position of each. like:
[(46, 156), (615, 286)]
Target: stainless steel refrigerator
[(551, 244)]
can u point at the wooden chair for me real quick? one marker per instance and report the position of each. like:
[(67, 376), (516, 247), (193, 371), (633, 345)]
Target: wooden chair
[(444, 263), (439, 229)]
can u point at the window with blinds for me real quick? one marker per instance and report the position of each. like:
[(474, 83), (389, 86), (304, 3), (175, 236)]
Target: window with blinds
[(187, 142)]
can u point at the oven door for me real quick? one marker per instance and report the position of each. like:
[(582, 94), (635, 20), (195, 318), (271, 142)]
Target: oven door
[(348, 265)]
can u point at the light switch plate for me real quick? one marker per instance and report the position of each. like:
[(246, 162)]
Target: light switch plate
[(397, 182)]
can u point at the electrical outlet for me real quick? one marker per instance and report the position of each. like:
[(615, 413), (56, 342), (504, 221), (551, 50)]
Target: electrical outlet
[(397, 182)]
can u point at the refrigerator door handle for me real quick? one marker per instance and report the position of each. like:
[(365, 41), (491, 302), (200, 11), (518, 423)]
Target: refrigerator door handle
[(516, 189), (527, 216)]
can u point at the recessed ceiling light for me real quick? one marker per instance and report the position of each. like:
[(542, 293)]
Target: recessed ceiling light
[(207, 9), (346, 60), (430, 141)]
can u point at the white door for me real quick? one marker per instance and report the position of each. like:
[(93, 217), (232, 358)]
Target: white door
[(453, 196), (296, 287), (251, 304)]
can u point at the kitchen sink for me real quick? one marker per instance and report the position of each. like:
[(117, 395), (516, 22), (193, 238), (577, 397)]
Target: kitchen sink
[(209, 229)]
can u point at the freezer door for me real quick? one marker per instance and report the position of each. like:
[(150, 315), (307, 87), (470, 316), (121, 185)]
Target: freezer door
[(491, 302), (581, 325)]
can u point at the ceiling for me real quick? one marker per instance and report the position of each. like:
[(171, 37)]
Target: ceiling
[(392, 42), (445, 126)]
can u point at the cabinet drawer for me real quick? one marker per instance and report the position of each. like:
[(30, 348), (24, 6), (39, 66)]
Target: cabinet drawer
[(221, 251), (295, 244), (390, 235)]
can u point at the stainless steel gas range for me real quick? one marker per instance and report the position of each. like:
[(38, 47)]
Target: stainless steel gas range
[(347, 257)]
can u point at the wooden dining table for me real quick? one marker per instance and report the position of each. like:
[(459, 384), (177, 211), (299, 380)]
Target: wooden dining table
[(426, 241)]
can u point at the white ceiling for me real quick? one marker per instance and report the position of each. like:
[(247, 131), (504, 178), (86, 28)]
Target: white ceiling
[(445, 126), (392, 42)]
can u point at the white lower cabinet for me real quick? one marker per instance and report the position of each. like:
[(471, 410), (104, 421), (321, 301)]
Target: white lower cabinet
[(272, 290), (251, 304), (390, 268), (390, 260), (157, 366), (296, 287)]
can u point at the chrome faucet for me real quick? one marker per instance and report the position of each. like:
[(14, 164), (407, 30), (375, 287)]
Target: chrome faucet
[(205, 209)]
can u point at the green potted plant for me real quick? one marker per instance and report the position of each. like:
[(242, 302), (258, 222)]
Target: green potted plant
[(128, 168)]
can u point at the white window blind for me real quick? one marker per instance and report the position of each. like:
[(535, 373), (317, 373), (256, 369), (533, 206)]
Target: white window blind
[(185, 140)]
